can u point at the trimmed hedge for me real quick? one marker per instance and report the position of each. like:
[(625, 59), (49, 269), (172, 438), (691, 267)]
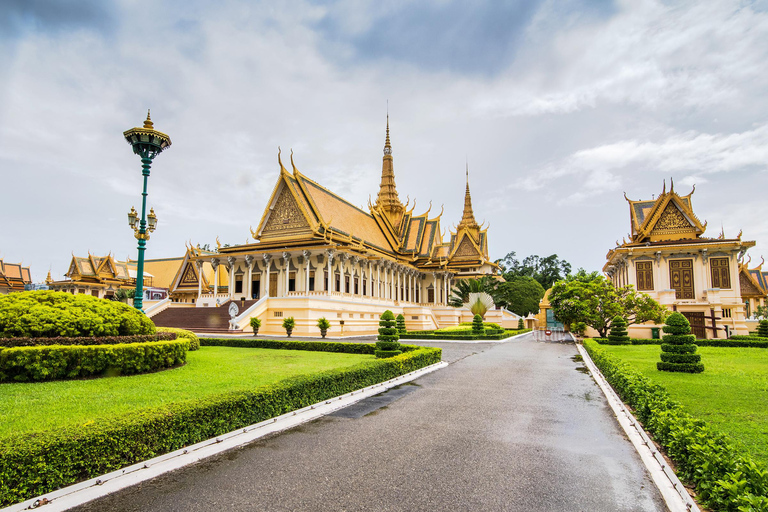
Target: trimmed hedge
[(194, 341), (618, 334), (387, 344), (35, 465), (88, 340), (724, 477), (58, 362), (433, 335), (50, 314), (733, 342)]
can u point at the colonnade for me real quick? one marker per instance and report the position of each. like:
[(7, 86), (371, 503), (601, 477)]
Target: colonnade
[(328, 272)]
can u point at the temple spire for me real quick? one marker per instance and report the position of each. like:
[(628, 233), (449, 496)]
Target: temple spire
[(388, 201), (468, 218)]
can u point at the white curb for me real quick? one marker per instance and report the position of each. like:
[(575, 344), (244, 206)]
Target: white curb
[(672, 490), (433, 340), (83, 492)]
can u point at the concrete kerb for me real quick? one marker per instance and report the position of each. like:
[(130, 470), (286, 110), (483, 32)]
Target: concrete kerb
[(671, 488), (89, 490)]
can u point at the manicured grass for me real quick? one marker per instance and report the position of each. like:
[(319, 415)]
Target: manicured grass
[(34, 407), (731, 394)]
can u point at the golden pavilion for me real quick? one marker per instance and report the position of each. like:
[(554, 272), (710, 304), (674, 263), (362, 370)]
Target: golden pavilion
[(317, 255), (668, 257)]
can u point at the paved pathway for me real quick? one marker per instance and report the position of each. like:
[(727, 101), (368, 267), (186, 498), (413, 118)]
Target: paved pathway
[(510, 427)]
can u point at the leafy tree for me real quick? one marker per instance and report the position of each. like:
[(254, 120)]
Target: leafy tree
[(760, 312), (520, 294), (598, 301), (584, 276), (400, 320), (546, 270)]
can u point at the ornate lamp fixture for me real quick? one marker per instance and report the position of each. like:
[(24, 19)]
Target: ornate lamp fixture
[(147, 143)]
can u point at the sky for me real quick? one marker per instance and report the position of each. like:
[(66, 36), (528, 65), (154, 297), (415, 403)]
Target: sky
[(557, 107)]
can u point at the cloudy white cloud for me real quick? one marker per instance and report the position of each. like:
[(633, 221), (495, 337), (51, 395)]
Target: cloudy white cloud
[(559, 107)]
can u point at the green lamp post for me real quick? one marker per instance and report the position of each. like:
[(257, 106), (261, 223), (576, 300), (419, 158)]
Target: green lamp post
[(147, 143)]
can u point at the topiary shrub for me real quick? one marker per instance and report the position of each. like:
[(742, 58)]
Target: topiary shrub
[(387, 344), (47, 314), (323, 324), (255, 325), (678, 347), (520, 324), (289, 324), (477, 324), (400, 324), (194, 341), (618, 334), (762, 329)]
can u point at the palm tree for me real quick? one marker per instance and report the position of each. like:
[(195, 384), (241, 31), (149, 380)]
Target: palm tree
[(460, 292)]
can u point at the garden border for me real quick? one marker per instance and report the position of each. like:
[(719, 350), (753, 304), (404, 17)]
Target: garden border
[(89, 490), (671, 488)]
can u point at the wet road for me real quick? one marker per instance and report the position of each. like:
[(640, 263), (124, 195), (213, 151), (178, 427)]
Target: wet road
[(513, 426)]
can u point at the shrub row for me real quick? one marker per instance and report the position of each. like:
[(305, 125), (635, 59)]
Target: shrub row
[(50, 314), (734, 342), (724, 478), (88, 340), (57, 362), (315, 346), (33, 466), (194, 341), (432, 335)]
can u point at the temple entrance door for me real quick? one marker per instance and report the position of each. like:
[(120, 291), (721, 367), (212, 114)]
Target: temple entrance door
[(681, 278), (255, 289), (430, 295), (696, 319), (273, 285)]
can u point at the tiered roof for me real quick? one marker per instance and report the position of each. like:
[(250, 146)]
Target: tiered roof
[(13, 276)]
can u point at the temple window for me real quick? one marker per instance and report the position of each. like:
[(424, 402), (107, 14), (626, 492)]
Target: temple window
[(644, 275), (292, 282), (238, 285), (311, 281), (721, 277)]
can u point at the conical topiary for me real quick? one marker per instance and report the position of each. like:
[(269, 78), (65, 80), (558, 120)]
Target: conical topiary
[(678, 347), (762, 329), (400, 324), (618, 334), (387, 344), (477, 324), (520, 324)]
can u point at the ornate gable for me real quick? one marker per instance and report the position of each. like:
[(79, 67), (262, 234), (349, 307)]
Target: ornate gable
[(285, 217), (673, 222), (748, 287), (465, 249), (189, 276)]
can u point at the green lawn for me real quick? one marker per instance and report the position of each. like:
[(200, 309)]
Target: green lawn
[(33, 407), (731, 394)]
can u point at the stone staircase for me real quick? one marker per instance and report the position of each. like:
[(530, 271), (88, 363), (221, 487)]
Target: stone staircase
[(201, 320)]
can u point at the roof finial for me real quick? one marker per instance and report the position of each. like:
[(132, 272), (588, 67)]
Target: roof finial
[(665, 188), (671, 185), (280, 160), (387, 145), (295, 170), (468, 217), (148, 123)]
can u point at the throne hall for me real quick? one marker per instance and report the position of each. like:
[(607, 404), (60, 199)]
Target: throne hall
[(317, 255)]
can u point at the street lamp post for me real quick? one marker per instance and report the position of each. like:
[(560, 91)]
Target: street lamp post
[(147, 143)]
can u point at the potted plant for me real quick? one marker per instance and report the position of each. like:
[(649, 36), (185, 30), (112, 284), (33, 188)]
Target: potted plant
[(288, 324), (323, 324), (255, 323)]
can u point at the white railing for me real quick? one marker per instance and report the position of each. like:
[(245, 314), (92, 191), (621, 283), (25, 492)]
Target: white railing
[(235, 322), (552, 334), (157, 307)]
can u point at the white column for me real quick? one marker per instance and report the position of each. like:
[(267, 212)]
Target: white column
[(307, 255), (370, 279), (287, 270), (215, 265), (231, 267), (378, 280), (434, 288), (329, 283), (249, 287), (199, 265), (399, 293), (386, 282), (267, 264)]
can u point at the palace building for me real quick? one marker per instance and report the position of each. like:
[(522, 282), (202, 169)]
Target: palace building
[(316, 254), (13, 277), (669, 258)]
